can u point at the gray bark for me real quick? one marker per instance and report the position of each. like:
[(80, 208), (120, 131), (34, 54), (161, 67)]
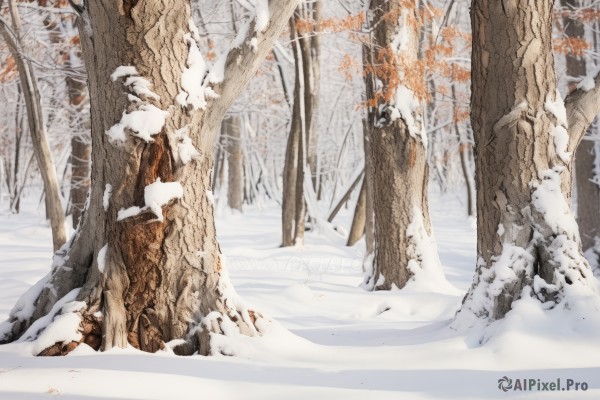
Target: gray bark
[(160, 278)]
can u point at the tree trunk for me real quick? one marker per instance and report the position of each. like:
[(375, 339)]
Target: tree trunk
[(588, 192), (527, 238), (37, 127), (235, 166), (306, 54), (397, 143), (464, 149), (145, 266), (357, 229)]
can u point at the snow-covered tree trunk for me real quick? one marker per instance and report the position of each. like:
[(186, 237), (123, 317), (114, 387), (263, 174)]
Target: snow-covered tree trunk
[(145, 267), (528, 242), (11, 32), (397, 142)]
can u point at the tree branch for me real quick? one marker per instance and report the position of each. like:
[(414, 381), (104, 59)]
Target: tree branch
[(243, 61), (582, 107)]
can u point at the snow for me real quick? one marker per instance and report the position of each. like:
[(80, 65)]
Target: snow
[(122, 71), (102, 258), (185, 148), (587, 84), (557, 107), (406, 106), (156, 195), (159, 193), (425, 265), (327, 337), (195, 90), (128, 212), (144, 122), (561, 143), (262, 14), (106, 196), (141, 87)]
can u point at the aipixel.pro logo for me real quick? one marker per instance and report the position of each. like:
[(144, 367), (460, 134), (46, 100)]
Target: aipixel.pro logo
[(524, 384)]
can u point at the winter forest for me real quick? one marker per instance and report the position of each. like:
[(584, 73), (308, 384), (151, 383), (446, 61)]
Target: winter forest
[(266, 199)]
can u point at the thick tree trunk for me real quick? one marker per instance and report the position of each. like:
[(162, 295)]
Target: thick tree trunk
[(527, 241), (235, 165), (397, 144), (145, 266), (588, 192), (37, 127)]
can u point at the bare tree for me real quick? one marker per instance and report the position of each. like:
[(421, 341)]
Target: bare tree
[(145, 266), (12, 34), (306, 49)]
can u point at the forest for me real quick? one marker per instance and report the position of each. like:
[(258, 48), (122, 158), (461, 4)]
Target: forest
[(264, 199)]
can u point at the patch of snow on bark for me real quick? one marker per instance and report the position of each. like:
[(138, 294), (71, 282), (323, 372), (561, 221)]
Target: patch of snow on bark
[(128, 212), (405, 105), (122, 71), (159, 193), (144, 122), (194, 87), (102, 258), (586, 84), (185, 148), (556, 106), (106, 196)]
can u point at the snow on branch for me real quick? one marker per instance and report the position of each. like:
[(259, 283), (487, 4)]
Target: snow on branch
[(582, 105), (246, 53)]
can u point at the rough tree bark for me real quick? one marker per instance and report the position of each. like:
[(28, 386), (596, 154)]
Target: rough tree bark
[(527, 238), (397, 151), (588, 192), (37, 128), (154, 274)]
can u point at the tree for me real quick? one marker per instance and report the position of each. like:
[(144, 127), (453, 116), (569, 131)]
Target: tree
[(305, 46), (588, 192), (528, 243), (144, 266), (235, 166), (12, 34), (397, 147)]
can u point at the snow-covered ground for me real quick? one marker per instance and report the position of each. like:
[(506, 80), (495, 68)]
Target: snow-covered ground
[(329, 339)]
